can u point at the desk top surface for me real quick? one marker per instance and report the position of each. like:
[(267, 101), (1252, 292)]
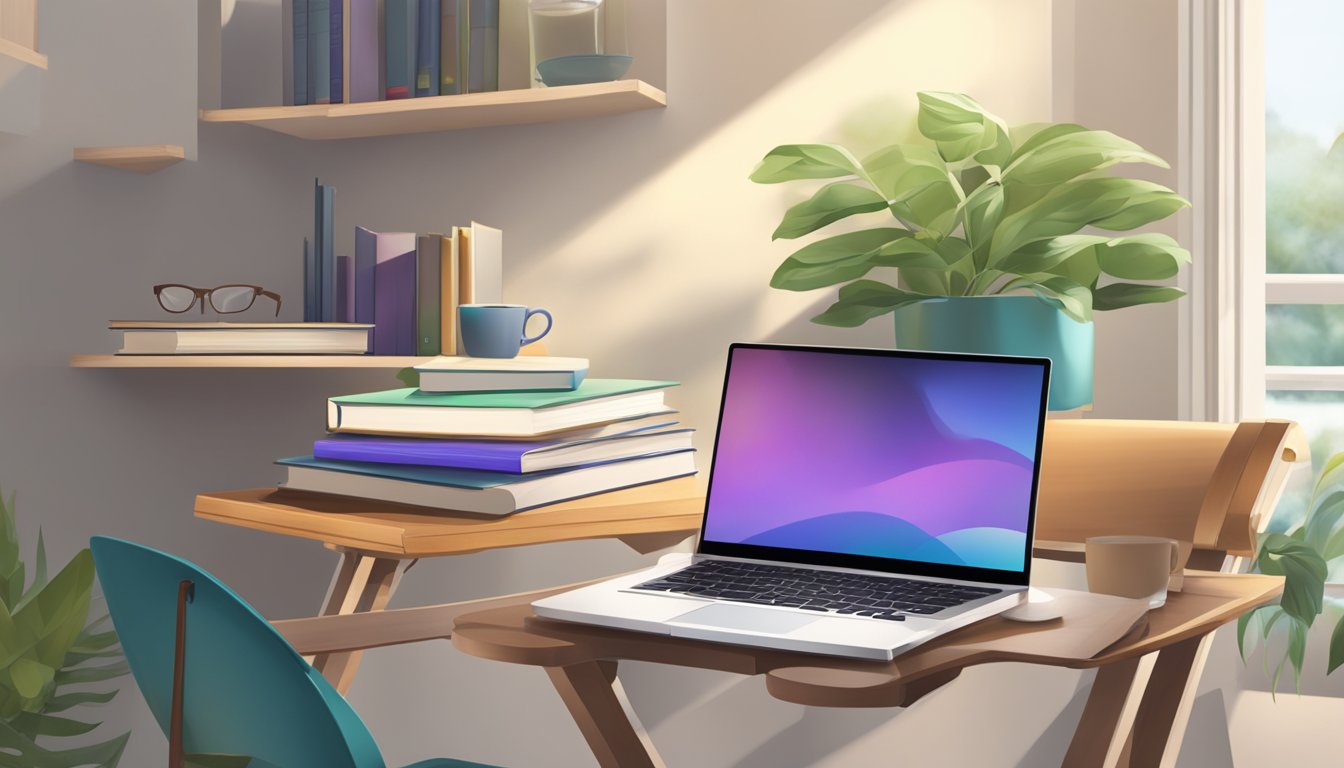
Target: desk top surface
[(1207, 601), (395, 530)]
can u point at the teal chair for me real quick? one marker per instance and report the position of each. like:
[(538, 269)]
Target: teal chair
[(240, 690)]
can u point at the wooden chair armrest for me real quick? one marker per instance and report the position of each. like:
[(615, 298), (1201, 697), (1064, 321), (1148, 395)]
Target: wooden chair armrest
[(376, 629), (1064, 551)]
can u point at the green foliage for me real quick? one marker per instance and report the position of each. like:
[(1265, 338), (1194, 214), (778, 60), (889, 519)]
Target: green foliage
[(48, 652), (977, 216), (1302, 556)]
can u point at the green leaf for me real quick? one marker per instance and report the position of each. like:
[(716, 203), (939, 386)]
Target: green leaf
[(831, 203), (1297, 648), (850, 244), (51, 621), (791, 162), (91, 674), (1045, 255), (50, 725), (1121, 295), (1148, 256), (1336, 647), (1103, 202), (1069, 154), (18, 751), (63, 701), (1304, 574), (962, 128), (1331, 473), (409, 377), (31, 679), (1244, 629), (1046, 133), (1071, 298), (981, 214), (1322, 520), (9, 537), (902, 171), (863, 300)]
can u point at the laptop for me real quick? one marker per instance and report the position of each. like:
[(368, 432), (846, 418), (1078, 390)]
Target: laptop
[(860, 502)]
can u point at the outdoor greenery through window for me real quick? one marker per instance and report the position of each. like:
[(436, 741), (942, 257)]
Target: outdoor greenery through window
[(1304, 220)]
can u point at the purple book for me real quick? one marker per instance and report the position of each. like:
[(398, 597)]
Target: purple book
[(517, 456), (366, 257), (345, 290), (394, 294), (365, 58)]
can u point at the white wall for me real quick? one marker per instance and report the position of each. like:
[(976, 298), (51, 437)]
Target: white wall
[(640, 232)]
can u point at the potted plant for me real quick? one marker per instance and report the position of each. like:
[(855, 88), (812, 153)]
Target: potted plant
[(985, 226), (50, 656)]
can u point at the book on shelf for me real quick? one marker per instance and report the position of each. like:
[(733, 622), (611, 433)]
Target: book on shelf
[(336, 52), (517, 456), (483, 46), (474, 491), (294, 51), (345, 290), (399, 41), (319, 51), (428, 24), (385, 288), (494, 414), (484, 374), (480, 264), (168, 338), (448, 282), (324, 275), (362, 64), (451, 46), (428, 286)]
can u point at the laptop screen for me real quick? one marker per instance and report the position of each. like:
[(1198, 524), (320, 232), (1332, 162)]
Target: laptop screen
[(905, 462)]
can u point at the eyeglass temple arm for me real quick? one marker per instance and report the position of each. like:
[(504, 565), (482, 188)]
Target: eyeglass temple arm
[(272, 295)]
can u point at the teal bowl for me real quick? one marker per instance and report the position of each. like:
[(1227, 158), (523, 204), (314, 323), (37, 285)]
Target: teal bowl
[(586, 68)]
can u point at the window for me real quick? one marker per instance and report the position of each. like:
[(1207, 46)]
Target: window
[(1304, 229)]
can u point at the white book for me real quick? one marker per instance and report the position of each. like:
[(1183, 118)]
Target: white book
[(242, 338), (509, 495), (487, 264), (483, 374)]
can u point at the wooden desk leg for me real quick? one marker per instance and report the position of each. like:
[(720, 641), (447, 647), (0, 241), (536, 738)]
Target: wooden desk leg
[(1099, 727), (362, 583), (597, 702), (1165, 708)]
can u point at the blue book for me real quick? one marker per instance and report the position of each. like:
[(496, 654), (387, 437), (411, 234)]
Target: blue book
[(474, 491), (517, 456), (399, 17), (319, 51), (337, 52), (427, 49), (299, 52), (483, 46), (327, 258), (309, 284)]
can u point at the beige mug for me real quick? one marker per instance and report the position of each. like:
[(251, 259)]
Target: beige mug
[(1133, 566)]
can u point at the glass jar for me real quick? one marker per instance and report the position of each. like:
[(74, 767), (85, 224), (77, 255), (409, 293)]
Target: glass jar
[(576, 41)]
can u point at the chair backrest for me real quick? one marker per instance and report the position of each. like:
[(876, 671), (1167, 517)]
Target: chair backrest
[(246, 691), (1214, 485)]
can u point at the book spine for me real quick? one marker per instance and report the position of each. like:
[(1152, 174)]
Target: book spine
[(309, 283), (299, 54), (366, 259), (363, 33), (427, 283), (397, 23), (336, 51), (287, 52), (358, 450), (394, 295), (427, 49), (319, 51), (345, 295), (448, 294), (483, 47), (449, 47), (327, 264), (315, 277)]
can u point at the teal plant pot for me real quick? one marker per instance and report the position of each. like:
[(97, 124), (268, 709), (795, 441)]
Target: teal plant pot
[(1005, 325)]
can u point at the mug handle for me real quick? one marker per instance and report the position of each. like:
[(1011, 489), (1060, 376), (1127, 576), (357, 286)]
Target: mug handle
[(530, 339), (1175, 556)]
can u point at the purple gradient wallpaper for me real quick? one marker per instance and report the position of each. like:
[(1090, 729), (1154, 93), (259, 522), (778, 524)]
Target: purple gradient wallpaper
[(915, 459)]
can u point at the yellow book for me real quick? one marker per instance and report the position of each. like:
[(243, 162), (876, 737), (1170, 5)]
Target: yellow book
[(448, 293)]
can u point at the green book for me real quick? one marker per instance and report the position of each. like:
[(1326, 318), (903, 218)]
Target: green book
[(495, 414)]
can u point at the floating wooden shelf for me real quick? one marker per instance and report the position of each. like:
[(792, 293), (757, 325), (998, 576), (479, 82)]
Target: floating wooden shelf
[(447, 113), (244, 361), (12, 50), (144, 158)]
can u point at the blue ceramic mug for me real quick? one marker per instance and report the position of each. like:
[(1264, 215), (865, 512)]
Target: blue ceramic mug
[(497, 330)]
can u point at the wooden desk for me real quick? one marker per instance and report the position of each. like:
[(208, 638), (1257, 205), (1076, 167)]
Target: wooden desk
[(582, 663), (379, 541)]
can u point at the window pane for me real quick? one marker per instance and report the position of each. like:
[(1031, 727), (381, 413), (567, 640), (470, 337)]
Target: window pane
[(1321, 414), (1304, 334), (1305, 112)]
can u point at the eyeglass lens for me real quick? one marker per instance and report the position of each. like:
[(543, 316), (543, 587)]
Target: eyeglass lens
[(227, 299), (177, 298)]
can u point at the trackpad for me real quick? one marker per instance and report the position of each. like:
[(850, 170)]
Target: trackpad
[(744, 618)]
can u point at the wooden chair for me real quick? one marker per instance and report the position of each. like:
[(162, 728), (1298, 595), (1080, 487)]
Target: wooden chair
[(1212, 485), (223, 684)]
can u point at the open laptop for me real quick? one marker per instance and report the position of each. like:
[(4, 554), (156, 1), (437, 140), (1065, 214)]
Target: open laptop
[(860, 502)]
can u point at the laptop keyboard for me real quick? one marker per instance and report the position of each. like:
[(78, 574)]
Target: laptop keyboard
[(879, 597)]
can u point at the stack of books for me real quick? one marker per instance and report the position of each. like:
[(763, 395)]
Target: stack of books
[(494, 437), (349, 51), (169, 338)]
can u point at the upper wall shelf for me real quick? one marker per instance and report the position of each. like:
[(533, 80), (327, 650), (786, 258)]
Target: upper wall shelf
[(12, 50), (244, 361), (447, 113)]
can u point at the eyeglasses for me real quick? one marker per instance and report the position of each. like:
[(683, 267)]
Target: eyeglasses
[(224, 299)]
